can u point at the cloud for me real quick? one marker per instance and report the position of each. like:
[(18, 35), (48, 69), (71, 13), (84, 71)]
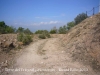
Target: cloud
[(61, 15), (53, 22), (46, 23)]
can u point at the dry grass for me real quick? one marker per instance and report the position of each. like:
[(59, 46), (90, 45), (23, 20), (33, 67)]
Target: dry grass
[(83, 42)]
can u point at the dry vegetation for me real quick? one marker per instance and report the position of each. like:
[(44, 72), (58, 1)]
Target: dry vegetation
[(83, 42)]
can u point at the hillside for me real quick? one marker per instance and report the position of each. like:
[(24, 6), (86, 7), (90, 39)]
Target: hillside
[(74, 53), (83, 42)]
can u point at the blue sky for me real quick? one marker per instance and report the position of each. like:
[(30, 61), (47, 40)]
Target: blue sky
[(42, 14)]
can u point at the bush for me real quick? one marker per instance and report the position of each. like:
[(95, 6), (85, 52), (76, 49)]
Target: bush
[(20, 30), (42, 36), (70, 25), (5, 28), (46, 33), (27, 31), (53, 31), (63, 29), (25, 38), (48, 36), (39, 32), (80, 18)]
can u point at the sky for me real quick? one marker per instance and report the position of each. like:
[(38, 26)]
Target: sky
[(43, 14)]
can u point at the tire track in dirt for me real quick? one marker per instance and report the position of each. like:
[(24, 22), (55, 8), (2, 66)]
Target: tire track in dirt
[(48, 57)]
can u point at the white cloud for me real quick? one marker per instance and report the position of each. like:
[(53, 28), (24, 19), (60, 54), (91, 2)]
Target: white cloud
[(46, 23), (61, 15), (43, 23), (53, 22)]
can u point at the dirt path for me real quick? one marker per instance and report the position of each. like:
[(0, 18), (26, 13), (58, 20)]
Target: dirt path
[(47, 57)]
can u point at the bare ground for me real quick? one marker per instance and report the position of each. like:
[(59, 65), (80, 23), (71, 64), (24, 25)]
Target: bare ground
[(47, 57)]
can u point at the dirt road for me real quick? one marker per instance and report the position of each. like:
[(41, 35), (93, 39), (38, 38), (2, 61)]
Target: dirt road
[(47, 57)]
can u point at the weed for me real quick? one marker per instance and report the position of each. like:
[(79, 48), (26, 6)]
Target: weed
[(24, 38), (42, 36)]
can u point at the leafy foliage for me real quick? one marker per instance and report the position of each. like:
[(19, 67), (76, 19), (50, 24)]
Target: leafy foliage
[(80, 18), (5, 28), (42, 36), (53, 31), (39, 32), (27, 31), (70, 25), (63, 29), (25, 38), (46, 33), (20, 29), (77, 20), (24, 35), (10, 29)]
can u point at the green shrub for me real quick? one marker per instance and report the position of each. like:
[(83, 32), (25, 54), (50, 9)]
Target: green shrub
[(20, 37), (63, 29), (79, 18), (42, 36), (70, 25), (25, 38), (39, 31), (48, 35), (4, 29), (53, 31)]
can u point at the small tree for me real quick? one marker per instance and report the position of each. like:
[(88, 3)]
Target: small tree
[(2, 27), (5, 28), (70, 25), (46, 33), (27, 31), (39, 32), (24, 38), (20, 29), (43, 34), (10, 29), (63, 29), (53, 31), (80, 18)]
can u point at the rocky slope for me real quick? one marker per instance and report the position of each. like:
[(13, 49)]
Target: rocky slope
[(79, 48), (83, 42), (8, 41)]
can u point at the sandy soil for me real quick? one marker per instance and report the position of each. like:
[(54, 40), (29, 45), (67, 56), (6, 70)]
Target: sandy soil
[(47, 57)]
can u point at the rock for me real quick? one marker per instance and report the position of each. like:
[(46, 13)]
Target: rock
[(45, 58), (4, 64), (20, 43), (7, 44)]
